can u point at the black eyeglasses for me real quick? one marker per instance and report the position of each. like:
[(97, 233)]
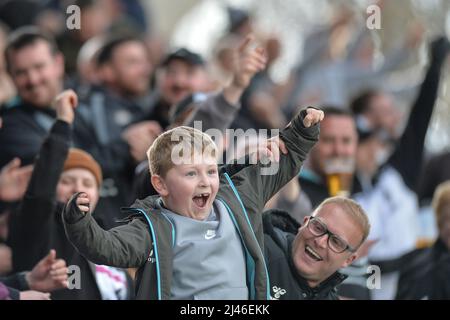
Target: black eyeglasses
[(318, 229)]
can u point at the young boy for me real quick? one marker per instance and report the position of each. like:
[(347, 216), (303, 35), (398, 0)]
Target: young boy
[(201, 238)]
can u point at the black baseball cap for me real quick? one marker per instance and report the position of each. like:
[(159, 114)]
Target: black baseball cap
[(184, 55)]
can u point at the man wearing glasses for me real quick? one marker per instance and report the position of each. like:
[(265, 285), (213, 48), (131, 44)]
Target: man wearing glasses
[(303, 264)]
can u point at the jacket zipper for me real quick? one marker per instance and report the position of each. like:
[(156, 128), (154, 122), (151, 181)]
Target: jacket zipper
[(253, 233), (250, 261)]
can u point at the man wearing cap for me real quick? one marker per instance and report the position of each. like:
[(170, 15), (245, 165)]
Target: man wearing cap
[(182, 72), (36, 227)]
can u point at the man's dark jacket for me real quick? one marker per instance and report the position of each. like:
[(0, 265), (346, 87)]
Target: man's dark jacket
[(425, 274), (285, 282)]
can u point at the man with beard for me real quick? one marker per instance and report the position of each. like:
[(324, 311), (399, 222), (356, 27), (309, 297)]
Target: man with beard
[(111, 124), (36, 68), (182, 73)]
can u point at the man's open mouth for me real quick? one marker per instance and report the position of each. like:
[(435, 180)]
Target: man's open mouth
[(200, 200), (312, 254)]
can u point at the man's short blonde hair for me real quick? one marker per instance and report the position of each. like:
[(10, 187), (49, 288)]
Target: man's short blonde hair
[(441, 198), (353, 209), (179, 146)]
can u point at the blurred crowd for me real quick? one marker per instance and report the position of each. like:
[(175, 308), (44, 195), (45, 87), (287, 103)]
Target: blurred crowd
[(131, 87)]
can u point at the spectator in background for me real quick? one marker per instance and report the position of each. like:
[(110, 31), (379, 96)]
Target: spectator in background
[(436, 171), (315, 47), (339, 73), (239, 27), (7, 89), (181, 73), (36, 226), (387, 193), (47, 275), (111, 124), (13, 183), (87, 76), (221, 66), (16, 14), (260, 101), (426, 272), (97, 17), (375, 110), (36, 68), (338, 140), (121, 60), (261, 108)]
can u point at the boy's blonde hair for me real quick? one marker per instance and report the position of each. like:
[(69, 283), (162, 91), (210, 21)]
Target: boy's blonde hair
[(441, 198), (353, 209), (178, 146)]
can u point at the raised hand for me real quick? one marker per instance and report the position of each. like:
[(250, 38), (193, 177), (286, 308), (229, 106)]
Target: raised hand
[(49, 274), (313, 116), (83, 203), (14, 180), (5, 259), (251, 60), (65, 104), (274, 146), (34, 295), (140, 136)]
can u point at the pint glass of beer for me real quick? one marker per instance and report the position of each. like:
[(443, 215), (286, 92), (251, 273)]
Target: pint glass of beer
[(339, 176)]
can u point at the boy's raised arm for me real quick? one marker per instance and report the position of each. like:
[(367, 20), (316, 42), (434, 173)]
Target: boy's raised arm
[(125, 246), (298, 137)]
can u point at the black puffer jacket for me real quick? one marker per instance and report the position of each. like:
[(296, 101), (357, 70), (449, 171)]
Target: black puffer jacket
[(426, 274), (285, 283)]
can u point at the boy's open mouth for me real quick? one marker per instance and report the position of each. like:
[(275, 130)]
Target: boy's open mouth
[(312, 254), (201, 199)]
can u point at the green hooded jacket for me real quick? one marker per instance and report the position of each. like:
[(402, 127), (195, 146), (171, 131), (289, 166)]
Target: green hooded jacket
[(146, 241)]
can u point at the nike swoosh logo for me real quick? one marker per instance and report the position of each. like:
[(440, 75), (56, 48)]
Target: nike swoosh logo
[(209, 236)]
